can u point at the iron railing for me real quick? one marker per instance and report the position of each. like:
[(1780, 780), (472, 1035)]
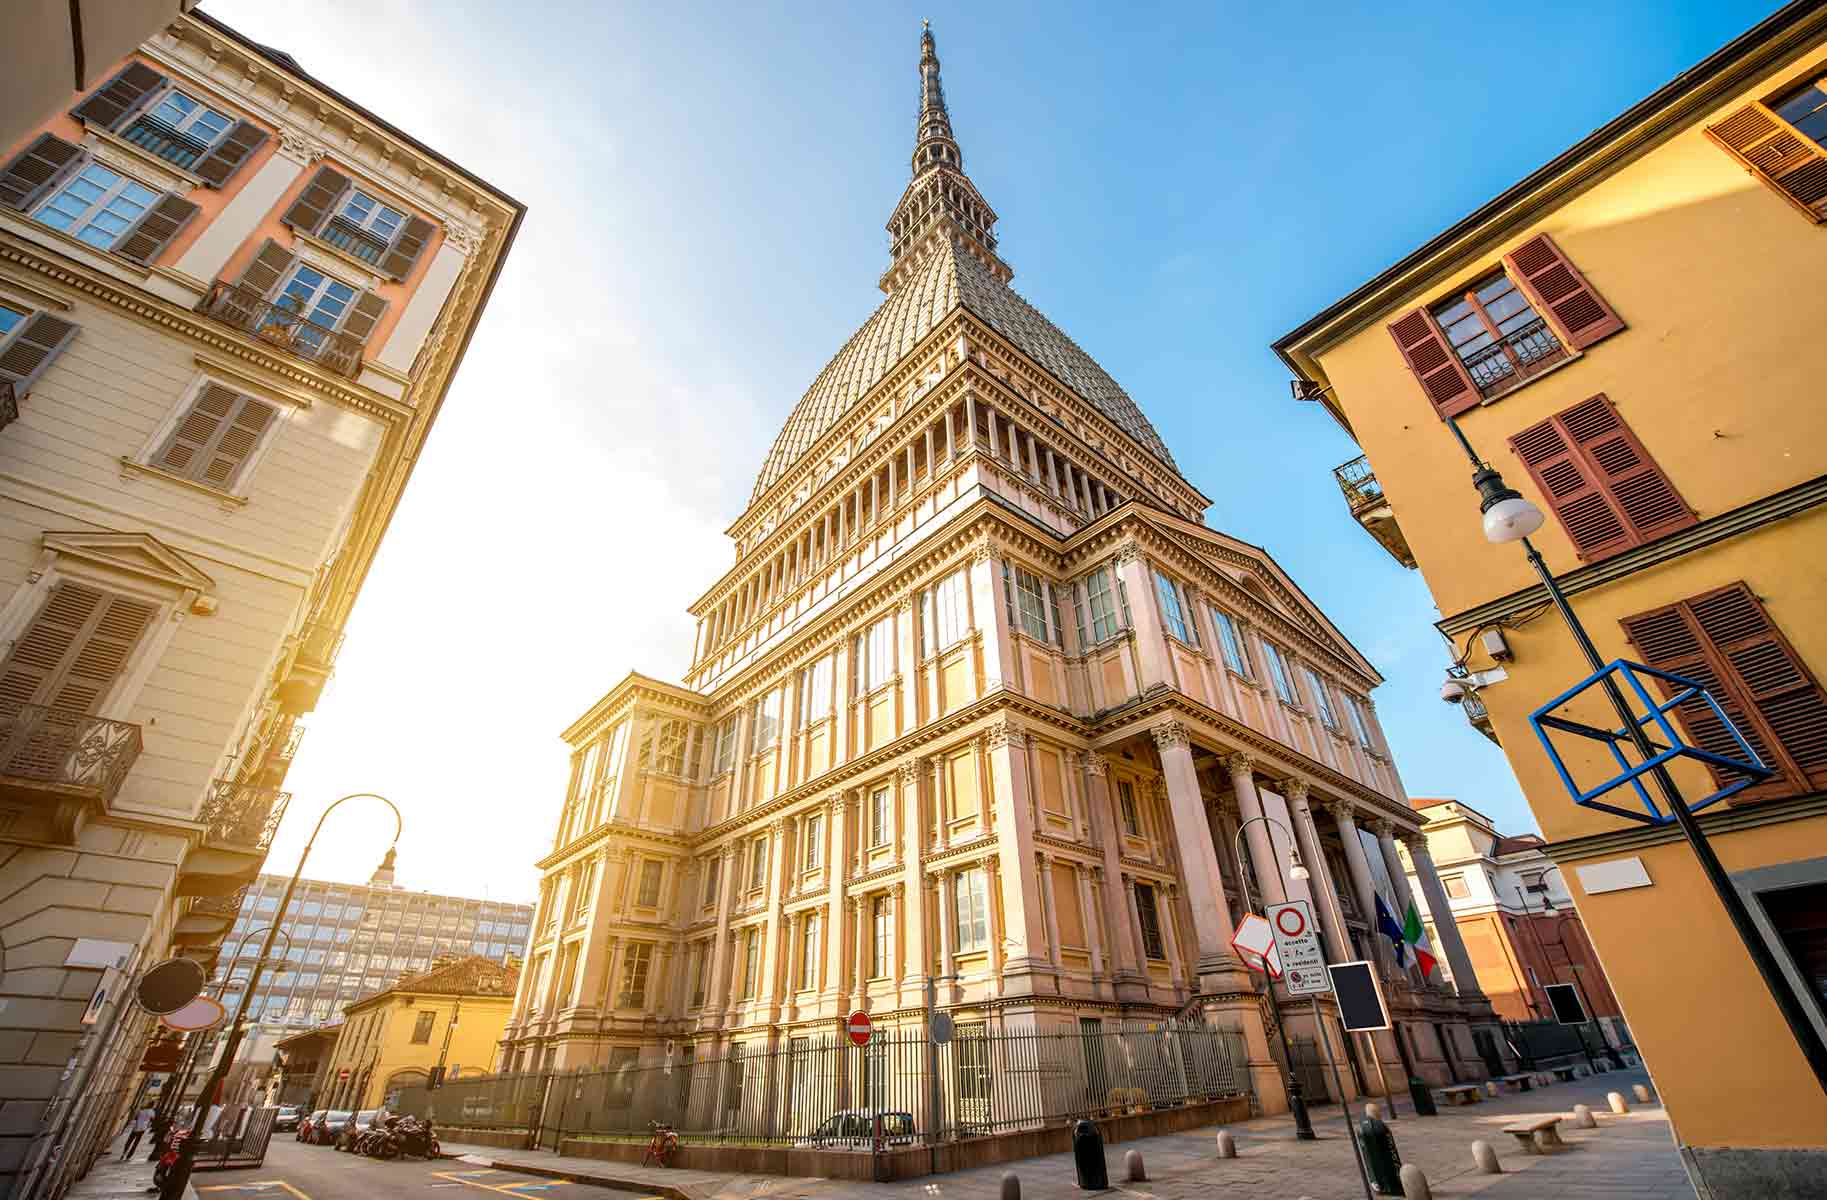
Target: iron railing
[(1359, 483), (1522, 352), (319, 642), (241, 815), (166, 141), (823, 1091), (9, 403), (227, 907), (348, 236), (44, 745), (283, 326)]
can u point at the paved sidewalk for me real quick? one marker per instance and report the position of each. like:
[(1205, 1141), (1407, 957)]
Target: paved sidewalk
[(112, 1179), (1631, 1156)]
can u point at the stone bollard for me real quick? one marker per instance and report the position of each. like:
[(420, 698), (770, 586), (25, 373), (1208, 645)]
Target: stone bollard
[(1011, 1186), (1583, 1118), (1132, 1167), (1373, 1110), (1414, 1184), (1227, 1145), (1492, 1090), (1616, 1100), (1485, 1158), (1641, 1091)]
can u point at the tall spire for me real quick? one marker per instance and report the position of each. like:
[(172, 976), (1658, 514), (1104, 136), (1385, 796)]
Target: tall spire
[(940, 203)]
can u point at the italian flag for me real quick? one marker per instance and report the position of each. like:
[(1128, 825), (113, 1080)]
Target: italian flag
[(1416, 936)]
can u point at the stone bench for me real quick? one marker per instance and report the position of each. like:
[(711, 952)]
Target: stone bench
[(1563, 1074), (1538, 1137), (1521, 1083), (1464, 1093)]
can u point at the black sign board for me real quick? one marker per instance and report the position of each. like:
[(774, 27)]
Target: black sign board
[(171, 985), (1360, 1000), (1566, 1000)]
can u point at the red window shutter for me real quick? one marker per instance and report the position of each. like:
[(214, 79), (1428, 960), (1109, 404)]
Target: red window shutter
[(1443, 377), (1725, 640), (1561, 293), (1602, 484), (1777, 157)]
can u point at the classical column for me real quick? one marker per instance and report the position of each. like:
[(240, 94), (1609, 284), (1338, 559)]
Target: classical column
[(992, 618), (1049, 902), (1361, 878), (1008, 746), (906, 670), (913, 918), (940, 803), (1324, 891), (769, 991), (1150, 644), (1212, 924), (948, 921), (1134, 910), (1276, 806), (1167, 912), (1398, 874), (897, 921), (840, 820), (859, 911), (1124, 962), (1256, 839), (1081, 881), (720, 960), (1440, 907)]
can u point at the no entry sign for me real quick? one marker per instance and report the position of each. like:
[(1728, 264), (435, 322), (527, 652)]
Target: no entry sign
[(1303, 966), (859, 1028)]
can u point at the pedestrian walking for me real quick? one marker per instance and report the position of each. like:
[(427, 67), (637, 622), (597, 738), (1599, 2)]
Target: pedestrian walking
[(136, 1129), (161, 1125)]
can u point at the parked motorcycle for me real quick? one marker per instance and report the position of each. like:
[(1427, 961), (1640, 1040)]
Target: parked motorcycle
[(397, 1136), (168, 1159)]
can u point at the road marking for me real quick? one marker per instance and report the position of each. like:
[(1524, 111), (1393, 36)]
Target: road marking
[(508, 1189), (262, 1185)]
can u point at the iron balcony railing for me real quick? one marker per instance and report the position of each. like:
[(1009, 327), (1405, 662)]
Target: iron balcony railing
[(67, 749), (226, 907), (165, 141), (319, 642), (9, 403), (1521, 353), (352, 238), (1359, 483), (242, 816), (284, 327)]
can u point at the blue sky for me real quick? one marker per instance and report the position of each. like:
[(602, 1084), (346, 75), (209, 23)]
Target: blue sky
[(708, 184)]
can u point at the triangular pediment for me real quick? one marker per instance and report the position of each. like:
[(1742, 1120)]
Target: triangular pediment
[(135, 553)]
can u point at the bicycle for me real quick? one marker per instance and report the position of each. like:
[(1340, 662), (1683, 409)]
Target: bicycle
[(662, 1146)]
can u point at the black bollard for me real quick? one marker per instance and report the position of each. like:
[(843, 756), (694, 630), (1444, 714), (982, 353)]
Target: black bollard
[(1381, 1161), (1423, 1097), (1088, 1157)]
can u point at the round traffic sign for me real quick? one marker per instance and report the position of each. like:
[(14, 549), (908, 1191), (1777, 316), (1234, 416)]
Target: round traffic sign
[(859, 1028), (1291, 922), (942, 1028), (170, 985), (201, 1013)]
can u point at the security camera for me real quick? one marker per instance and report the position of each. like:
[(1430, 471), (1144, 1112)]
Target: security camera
[(1453, 690)]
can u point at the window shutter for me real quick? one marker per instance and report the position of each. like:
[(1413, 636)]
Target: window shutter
[(216, 436), (1607, 491), (149, 235), (363, 316), (407, 247), (74, 649), (318, 199), (1443, 377), (1777, 157), (239, 437), (35, 169), (32, 348), (220, 164), (1561, 292), (111, 103), (1725, 640), (268, 266)]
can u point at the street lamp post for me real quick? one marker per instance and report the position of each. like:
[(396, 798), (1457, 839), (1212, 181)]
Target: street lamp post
[(1297, 1104), (170, 1104), (1510, 518), (179, 1177)]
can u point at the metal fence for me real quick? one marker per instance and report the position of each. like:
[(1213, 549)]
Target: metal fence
[(823, 1091)]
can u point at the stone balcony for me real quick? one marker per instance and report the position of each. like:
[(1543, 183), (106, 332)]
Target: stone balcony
[(1370, 508), (308, 663), (62, 767), (239, 821)]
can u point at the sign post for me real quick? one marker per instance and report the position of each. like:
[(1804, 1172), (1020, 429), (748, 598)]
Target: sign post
[(1303, 971)]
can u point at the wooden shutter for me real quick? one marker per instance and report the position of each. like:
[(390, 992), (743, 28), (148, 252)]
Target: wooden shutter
[(268, 266), (216, 436), (407, 247), (363, 316), (1443, 377), (220, 164), (1561, 293), (1602, 484), (148, 236), (1725, 640), (1778, 157), (74, 649), (110, 104), (32, 348), (35, 169), (318, 199)]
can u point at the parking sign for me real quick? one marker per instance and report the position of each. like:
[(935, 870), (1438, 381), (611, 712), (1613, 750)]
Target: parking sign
[(1303, 965)]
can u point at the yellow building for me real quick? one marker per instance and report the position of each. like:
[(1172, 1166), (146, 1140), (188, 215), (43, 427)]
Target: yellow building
[(1632, 336), (452, 1016)]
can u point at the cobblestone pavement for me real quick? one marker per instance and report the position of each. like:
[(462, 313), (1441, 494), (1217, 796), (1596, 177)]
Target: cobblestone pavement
[(1631, 1156)]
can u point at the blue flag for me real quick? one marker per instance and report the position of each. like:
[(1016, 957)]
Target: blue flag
[(1388, 927)]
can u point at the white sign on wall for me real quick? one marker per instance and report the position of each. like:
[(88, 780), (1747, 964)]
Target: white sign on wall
[(1303, 964)]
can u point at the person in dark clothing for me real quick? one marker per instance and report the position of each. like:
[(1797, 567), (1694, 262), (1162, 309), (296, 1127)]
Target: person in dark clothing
[(161, 1125)]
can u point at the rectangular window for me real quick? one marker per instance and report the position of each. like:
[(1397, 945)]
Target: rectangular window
[(951, 611), (758, 864), (214, 439), (1027, 601), (1599, 480), (815, 841), (1360, 721), (363, 226), (879, 933), (1150, 919), (1126, 808), (725, 758), (97, 206), (808, 953), (1104, 606), (751, 963), (1497, 334), (1278, 672), (1173, 609), (636, 963), (69, 658), (713, 869), (971, 896), (649, 896), (1322, 699), (766, 721), (880, 652), (815, 691), (421, 1029), (669, 757), (1230, 642), (879, 817), (179, 129), (1456, 887), (700, 971)]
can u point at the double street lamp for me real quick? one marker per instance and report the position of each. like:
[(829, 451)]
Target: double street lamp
[(179, 1176)]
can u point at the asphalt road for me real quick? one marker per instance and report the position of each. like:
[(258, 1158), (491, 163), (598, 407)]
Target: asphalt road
[(294, 1171)]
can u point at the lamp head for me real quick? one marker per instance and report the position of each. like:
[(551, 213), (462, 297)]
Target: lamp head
[(1453, 690), (1507, 516), (1296, 868)]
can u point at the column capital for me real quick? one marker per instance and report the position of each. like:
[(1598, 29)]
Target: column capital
[(982, 551), (1095, 763), (909, 772), (1240, 764), (1342, 810), (905, 604), (1416, 841), (897, 889), (1005, 733), (1383, 827), (1296, 791), (1129, 550), (1171, 735)]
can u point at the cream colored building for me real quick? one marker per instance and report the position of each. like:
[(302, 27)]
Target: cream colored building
[(979, 696), (231, 301)]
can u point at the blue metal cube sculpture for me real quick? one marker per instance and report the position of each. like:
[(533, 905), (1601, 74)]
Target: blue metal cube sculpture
[(1749, 769)]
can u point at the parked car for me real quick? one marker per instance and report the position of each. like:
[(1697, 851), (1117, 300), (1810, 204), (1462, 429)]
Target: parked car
[(360, 1123), (854, 1129), (326, 1131), (287, 1118), (311, 1123)]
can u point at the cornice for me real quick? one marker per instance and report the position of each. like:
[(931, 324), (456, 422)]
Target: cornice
[(634, 690), (565, 855), (1714, 822)]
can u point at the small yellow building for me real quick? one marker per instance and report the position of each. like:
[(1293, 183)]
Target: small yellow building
[(452, 1015), (1632, 336)]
